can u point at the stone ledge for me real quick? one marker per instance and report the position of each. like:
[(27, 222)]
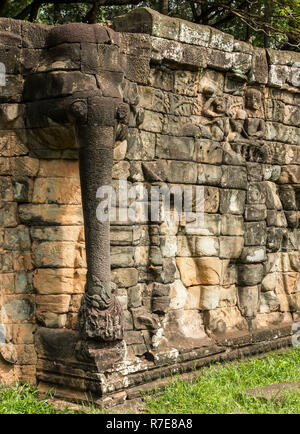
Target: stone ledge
[(74, 381)]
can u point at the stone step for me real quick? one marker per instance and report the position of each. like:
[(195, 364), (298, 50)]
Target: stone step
[(274, 391)]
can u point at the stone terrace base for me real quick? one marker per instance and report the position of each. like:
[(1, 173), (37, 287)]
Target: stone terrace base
[(58, 369)]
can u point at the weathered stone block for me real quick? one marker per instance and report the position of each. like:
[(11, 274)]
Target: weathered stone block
[(144, 320), (57, 190), (54, 254), (248, 298), (182, 172), (254, 254), (250, 274), (174, 148), (209, 175), (276, 218), (178, 294), (224, 319), (232, 201), (231, 247), (234, 177), (255, 233), (50, 214), (220, 60), (59, 168), (160, 305), (255, 212), (23, 282), (122, 256), (232, 225), (125, 277), (207, 151), (260, 69), (209, 297), (17, 238), (274, 238), (140, 145), (53, 303), (197, 271), (269, 302), (53, 320), (210, 226), (48, 281), (23, 333), (18, 308), (228, 296), (255, 193), (8, 214), (288, 198), (193, 298)]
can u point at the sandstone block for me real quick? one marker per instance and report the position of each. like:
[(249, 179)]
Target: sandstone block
[(182, 172), (231, 247), (59, 168), (207, 151), (232, 225), (269, 302), (255, 212), (248, 298), (209, 174), (52, 320), (193, 298), (50, 281), (209, 297), (253, 254), (234, 177), (144, 320), (49, 214), (57, 190), (250, 274), (54, 254), (23, 333), (255, 233), (226, 319), (228, 296), (175, 148), (232, 201), (8, 214), (122, 256), (53, 303), (124, 277), (17, 238), (178, 295), (140, 145), (197, 271)]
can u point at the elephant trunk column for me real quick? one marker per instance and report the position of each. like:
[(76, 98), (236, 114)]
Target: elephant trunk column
[(101, 315)]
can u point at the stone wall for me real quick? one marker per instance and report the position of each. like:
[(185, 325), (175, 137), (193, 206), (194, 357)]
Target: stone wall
[(202, 110)]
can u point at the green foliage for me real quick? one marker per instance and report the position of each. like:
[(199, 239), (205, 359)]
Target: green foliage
[(23, 399), (274, 23)]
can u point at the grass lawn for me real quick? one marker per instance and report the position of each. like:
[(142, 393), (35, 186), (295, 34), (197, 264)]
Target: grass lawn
[(220, 389)]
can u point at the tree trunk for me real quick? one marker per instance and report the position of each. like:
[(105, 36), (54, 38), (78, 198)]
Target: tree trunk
[(164, 7), (268, 18)]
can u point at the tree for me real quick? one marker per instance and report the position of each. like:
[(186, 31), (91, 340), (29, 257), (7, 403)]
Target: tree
[(274, 23)]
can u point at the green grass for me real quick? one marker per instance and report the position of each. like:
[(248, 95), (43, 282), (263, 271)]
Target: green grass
[(220, 389), (22, 399)]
